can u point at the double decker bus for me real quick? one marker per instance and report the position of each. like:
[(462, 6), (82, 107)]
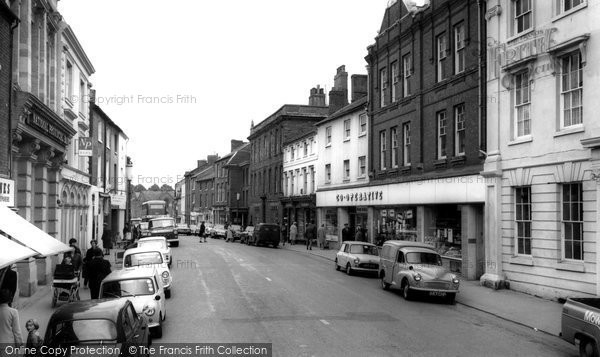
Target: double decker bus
[(153, 209)]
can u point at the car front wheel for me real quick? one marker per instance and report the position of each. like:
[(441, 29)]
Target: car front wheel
[(168, 294), (337, 267), (157, 331), (588, 348), (406, 293), (348, 269)]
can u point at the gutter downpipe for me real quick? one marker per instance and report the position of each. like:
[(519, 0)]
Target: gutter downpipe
[(481, 27), (10, 95)]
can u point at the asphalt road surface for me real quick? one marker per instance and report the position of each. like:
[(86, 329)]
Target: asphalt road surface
[(233, 293)]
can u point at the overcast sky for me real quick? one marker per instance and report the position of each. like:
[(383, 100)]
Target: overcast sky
[(234, 61)]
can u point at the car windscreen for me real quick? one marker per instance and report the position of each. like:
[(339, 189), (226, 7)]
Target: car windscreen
[(363, 249), (162, 223), (140, 259), (130, 287), (423, 258), (153, 244), (88, 330), (144, 225)]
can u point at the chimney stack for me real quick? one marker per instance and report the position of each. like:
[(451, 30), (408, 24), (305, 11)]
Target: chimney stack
[(359, 86), (317, 97), (212, 158), (236, 144), (202, 163), (338, 95)]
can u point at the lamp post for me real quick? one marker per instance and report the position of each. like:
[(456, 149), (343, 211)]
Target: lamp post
[(129, 174), (237, 212)]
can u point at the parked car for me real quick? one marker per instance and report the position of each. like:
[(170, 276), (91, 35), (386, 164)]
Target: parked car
[(237, 231), (265, 234), (357, 256), (165, 227), (184, 229), (246, 233), (415, 267), (209, 230), (144, 288), (194, 230), (580, 324), (149, 258), (98, 322), (218, 230), (159, 243)]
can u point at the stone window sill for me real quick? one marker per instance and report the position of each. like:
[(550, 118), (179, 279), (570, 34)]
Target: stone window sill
[(577, 267), (521, 140), (569, 131), (521, 260)]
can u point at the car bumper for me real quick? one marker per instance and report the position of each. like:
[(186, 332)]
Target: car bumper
[(450, 291), (375, 270)]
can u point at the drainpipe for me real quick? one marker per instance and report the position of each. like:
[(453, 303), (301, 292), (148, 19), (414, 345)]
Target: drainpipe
[(481, 32), (10, 91)]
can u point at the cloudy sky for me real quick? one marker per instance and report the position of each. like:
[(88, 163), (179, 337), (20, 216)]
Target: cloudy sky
[(184, 77)]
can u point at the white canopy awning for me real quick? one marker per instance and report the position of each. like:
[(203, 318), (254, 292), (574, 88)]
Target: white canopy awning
[(29, 235), (12, 252)]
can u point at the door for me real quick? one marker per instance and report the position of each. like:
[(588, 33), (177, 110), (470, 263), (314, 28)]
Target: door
[(398, 265)]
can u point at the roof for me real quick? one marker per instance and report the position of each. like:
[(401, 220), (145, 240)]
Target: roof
[(140, 250), (357, 242), (89, 309), (404, 243), (205, 174), (355, 106), (105, 116), (300, 135), (292, 110), (130, 273)]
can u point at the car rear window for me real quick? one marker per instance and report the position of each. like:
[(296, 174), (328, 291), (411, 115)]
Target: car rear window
[(130, 287), (156, 244), (140, 259), (363, 249), (88, 330)]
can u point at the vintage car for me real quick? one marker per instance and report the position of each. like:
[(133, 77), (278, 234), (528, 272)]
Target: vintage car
[(98, 323), (246, 233), (194, 230), (237, 231), (357, 256), (218, 230), (165, 227), (144, 288), (149, 258), (159, 243), (144, 230), (265, 234), (184, 229), (415, 267)]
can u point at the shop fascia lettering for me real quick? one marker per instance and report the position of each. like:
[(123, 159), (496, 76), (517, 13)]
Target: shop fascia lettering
[(46, 127), (360, 196)]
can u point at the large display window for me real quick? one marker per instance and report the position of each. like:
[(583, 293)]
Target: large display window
[(398, 222), (446, 234), (331, 224)]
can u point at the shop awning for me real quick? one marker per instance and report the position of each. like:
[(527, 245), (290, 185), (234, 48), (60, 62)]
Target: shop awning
[(14, 252), (29, 235)]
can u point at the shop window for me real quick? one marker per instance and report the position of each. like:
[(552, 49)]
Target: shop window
[(572, 220), (399, 223), (331, 223), (523, 219)]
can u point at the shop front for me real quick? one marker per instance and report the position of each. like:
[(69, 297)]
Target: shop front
[(300, 209), (446, 213)]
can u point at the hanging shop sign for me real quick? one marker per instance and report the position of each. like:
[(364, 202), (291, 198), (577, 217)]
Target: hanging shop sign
[(85, 146), (7, 192)]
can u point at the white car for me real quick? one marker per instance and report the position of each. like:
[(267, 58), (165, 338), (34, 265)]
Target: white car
[(143, 287), (149, 258), (158, 243), (357, 256)]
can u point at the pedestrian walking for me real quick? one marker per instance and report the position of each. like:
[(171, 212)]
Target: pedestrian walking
[(283, 232), (126, 232), (10, 282), (310, 234), (89, 255), (321, 236), (76, 258), (10, 330), (34, 340), (346, 233), (360, 235), (202, 232), (97, 270), (293, 233), (107, 239), (229, 234)]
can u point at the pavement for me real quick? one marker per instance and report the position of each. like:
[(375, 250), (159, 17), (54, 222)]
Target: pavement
[(536, 313)]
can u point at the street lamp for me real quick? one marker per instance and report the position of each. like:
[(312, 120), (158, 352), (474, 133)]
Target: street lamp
[(129, 174), (237, 212)]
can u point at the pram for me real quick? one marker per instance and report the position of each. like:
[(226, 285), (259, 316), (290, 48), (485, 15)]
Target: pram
[(65, 284)]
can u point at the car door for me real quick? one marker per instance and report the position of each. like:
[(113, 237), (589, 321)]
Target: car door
[(398, 266), (160, 291), (340, 255)]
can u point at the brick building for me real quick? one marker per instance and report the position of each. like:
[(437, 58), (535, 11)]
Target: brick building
[(230, 205), (8, 23), (266, 163), (191, 191), (205, 194), (427, 130)]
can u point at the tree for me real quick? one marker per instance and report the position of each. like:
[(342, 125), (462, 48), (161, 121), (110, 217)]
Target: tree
[(166, 187), (154, 188), (139, 188)]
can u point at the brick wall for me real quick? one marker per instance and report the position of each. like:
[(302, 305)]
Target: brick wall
[(5, 74)]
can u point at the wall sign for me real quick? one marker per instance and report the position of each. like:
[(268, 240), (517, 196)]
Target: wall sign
[(365, 196), (47, 128), (7, 192), (85, 146)]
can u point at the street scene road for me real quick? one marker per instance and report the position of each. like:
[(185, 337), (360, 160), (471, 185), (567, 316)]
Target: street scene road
[(229, 292)]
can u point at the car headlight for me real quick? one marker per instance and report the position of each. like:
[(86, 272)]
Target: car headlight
[(417, 277), (455, 280), (356, 261), (175, 231), (165, 275)]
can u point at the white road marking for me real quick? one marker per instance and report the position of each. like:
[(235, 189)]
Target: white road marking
[(268, 279), (325, 322), (207, 292)]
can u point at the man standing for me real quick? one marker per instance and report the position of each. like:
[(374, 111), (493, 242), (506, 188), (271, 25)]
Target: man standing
[(360, 235), (346, 234), (97, 270), (321, 236), (107, 239), (202, 231), (310, 234), (293, 233), (89, 255)]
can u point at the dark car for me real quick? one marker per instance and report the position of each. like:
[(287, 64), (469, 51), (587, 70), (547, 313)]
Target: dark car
[(96, 323), (184, 229), (165, 227), (265, 234)]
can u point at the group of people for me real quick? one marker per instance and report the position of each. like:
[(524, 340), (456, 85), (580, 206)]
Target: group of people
[(312, 234)]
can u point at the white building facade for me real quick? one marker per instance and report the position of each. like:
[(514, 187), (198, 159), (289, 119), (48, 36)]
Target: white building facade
[(299, 180), (342, 171), (543, 143)]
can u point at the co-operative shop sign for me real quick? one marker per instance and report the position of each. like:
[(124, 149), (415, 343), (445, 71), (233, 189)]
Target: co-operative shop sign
[(7, 192)]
